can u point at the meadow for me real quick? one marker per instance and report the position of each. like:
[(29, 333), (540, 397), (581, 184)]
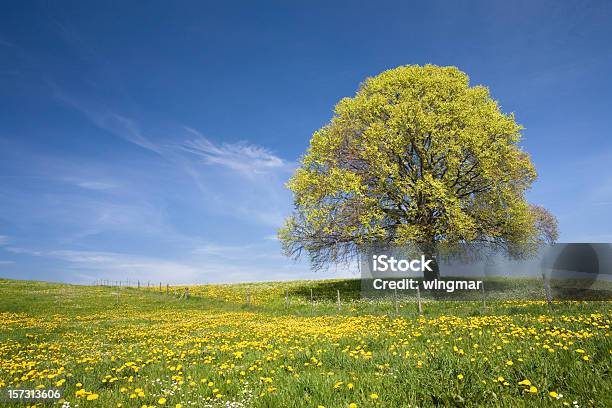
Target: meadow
[(128, 347)]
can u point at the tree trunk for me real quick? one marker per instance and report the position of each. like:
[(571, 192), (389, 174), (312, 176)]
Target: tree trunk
[(429, 249), (435, 269)]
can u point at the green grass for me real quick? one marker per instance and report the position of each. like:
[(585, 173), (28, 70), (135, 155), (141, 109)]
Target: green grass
[(92, 332)]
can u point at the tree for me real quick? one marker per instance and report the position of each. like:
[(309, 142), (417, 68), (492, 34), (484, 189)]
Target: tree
[(417, 156), (546, 225)]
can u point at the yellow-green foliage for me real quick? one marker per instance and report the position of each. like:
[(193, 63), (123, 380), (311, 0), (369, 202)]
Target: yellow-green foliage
[(417, 155)]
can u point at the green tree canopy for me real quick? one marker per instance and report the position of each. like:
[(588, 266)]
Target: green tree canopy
[(416, 156)]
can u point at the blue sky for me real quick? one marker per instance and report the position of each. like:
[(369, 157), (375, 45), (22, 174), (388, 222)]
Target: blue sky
[(152, 140)]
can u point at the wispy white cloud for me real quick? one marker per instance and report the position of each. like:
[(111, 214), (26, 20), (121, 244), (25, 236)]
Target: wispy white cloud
[(88, 266), (211, 249), (242, 157), (3, 240), (108, 120), (24, 251), (119, 266), (238, 253), (98, 185), (248, 181), (85, 216), (126, 128), (240, 180)]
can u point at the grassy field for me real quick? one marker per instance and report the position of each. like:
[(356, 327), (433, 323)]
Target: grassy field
[(124, 347)]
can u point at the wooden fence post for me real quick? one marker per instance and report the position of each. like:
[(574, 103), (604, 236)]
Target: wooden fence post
[(419, 300), (248, 299), (167, 289), (395, 301), (311, 300), (286, 298), (338, 294), (484, 299), (138, 283), (547, 293)]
